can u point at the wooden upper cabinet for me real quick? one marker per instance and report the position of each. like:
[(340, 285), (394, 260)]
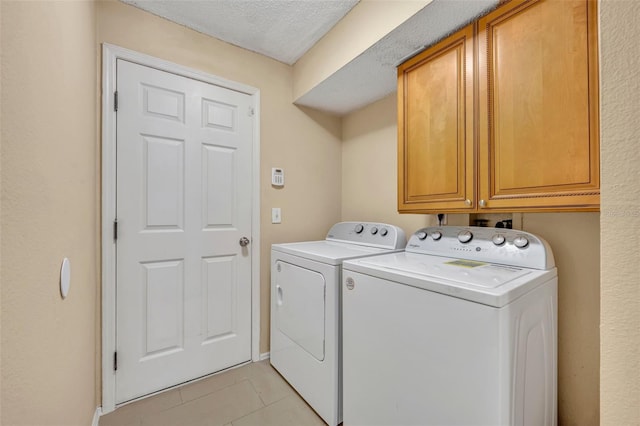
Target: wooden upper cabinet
[(435, 127), (522, 136), (538, 106)]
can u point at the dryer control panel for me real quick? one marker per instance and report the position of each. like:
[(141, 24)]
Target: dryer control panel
[(371, 234), (493, 245)]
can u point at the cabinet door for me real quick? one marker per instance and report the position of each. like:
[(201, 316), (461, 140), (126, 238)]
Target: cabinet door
[(435, 127), (538, 106)]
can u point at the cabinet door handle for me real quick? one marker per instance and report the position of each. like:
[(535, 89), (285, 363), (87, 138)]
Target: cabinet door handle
[(483, 203), (467, 202)]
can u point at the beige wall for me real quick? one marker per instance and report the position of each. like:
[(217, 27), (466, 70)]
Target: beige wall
[(306, 144), (620, 221), (369, 164), (49, 211), (369, 193), (575, 240)]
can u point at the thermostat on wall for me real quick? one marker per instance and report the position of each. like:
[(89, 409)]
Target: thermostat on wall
[(277, 177)]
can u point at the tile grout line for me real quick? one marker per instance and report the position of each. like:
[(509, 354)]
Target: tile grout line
[(257, 409)]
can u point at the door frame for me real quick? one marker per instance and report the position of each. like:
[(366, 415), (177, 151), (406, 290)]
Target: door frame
[(110, 54)]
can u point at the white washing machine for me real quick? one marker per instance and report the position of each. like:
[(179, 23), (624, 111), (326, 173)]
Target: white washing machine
[(460, 329), (305, 308)]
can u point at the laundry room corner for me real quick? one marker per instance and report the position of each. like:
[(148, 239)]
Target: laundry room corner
[(305, 145), (369, 162)]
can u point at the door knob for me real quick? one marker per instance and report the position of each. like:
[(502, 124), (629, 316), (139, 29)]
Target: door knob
[(244, 241)]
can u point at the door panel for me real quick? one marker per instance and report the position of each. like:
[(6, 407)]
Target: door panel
[(220, 297), (219, 164), (538, 109), (161, 306), (184, 158), (163, 182), (435, 127)]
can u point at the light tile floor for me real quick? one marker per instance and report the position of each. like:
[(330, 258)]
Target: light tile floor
[(254, 394)]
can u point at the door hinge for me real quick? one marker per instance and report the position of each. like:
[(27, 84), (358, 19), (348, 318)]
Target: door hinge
[(115, 229), (115, 361), (251, 112), (115, 101)]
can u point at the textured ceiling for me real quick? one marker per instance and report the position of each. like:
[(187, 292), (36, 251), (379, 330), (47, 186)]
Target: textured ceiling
[(372, 75), (281, 29), (286, 29)]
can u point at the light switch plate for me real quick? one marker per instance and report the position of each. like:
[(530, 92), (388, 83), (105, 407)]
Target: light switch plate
[(276, 215)]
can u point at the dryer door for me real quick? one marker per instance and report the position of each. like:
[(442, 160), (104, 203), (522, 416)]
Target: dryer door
[(300, 306)]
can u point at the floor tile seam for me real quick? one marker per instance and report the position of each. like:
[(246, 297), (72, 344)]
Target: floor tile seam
[(141, 420), (142, 417), (262, 399), (139, 416), (235, 382), (244, 379), (252, 412), (267, 406), (140, 413), (259, 399), (233, 369), (249, 414)]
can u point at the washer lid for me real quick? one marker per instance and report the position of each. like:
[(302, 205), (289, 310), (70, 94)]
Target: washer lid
[(330, 252), (480, 274), (487, 283)]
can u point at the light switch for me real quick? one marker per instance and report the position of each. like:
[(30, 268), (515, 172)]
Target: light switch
[(276, 216)]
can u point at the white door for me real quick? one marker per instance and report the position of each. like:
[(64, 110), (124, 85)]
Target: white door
[(184, 170)]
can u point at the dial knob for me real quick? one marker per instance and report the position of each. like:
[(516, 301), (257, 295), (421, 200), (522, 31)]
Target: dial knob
[(436, 235), (374, 230), (465, 236), (498, 239), (520, 241), (359, 228), (421, 235), (384, 232)]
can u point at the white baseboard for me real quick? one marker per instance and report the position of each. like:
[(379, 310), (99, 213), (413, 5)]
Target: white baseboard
[(264, 356), (96, 416)]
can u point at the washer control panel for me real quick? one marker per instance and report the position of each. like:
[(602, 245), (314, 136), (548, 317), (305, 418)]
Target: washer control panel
[(494, 245), (368, 233)]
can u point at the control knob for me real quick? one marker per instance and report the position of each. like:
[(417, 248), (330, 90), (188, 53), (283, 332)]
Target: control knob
[(436, 235), (520, 241), (384, 232), (359, 228), (421, 235), (498, 239), (374, 230), (465, 236)]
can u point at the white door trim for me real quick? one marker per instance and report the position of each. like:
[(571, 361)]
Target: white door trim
[(110, 54)]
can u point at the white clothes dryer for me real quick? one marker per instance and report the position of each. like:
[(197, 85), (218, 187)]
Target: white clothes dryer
[(460, 329), (305, 308)]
